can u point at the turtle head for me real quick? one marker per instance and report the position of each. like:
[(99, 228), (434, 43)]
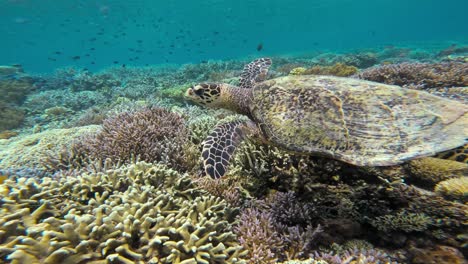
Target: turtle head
[(206, 94), (220, 95)]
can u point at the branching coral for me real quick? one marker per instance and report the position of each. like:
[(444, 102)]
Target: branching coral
[(141, 213), (419, 75), (152, 134), (404, 221), (257, 232)]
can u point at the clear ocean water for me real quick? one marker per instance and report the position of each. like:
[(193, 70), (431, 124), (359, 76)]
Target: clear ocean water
[(44, 35)]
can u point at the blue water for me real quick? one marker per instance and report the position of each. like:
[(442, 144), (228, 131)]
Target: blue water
[(45, 35)]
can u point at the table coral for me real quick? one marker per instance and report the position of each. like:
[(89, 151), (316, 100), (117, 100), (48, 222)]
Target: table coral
[(140, 213)]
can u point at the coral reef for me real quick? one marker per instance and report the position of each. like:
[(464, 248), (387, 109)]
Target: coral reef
[(151, 134), (437, 255), (419, 75), (257, 232), (456, 189), (430, 171), (10, 116), (338, 69), (140, 213), (404, 221), (13, 93), (37, 103), (32, 151)]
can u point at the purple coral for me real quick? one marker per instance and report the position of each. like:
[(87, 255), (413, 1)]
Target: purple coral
[(152, 135), (257, 232)]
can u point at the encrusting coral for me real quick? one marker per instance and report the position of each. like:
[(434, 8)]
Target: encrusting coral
[(139, 213)]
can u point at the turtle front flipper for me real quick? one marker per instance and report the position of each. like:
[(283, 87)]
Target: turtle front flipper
[(254, 72), (220, 145)]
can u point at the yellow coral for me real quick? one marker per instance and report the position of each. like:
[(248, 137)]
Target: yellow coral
[(140, 213), (298, 71), (339, 69), (434, 170), (456, 188)]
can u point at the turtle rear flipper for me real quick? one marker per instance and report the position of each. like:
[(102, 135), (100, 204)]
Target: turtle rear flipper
[(220, 145), (254, 72)]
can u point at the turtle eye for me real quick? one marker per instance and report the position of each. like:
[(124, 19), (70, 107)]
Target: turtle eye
[(198, 91)]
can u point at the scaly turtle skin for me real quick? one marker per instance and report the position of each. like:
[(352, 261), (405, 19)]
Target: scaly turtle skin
[(359, 122)]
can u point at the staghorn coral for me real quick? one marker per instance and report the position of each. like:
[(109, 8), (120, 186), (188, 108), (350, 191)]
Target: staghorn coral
[(229, 188), (419, 75), (404, 221), (456, 189), (85, 80), (257, 232), (140, 213), (151, 134), (37, 103)]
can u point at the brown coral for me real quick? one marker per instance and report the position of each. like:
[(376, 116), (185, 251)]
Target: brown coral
[(419, 75), (151, 134), (456, 188)]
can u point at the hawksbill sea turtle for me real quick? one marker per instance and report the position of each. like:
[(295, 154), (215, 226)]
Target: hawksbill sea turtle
[(359, 122)]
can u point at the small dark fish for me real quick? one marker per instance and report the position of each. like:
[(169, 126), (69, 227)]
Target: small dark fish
[(123, 65), (116, 62), (75, 58), (58, 52), (93, 62), (51, 59), (259, 46), (216, 32)]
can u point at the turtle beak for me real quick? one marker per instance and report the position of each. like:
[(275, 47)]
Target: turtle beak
[(189, 93)]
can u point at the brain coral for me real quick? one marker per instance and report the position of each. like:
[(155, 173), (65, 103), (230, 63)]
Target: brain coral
[(140, 213), (151, 134)]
